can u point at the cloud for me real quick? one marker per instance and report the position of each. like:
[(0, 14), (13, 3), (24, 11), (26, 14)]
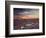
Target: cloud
[(20, 11)]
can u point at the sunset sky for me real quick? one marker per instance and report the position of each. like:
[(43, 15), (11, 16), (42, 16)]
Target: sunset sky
[(26, 13)]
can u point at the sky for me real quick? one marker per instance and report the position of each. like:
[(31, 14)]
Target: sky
[(23, 11)]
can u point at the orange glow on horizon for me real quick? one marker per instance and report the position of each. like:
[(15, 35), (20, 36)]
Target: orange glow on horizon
[(26, 17)]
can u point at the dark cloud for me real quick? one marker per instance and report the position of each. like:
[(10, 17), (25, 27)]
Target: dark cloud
[(23, 11)]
